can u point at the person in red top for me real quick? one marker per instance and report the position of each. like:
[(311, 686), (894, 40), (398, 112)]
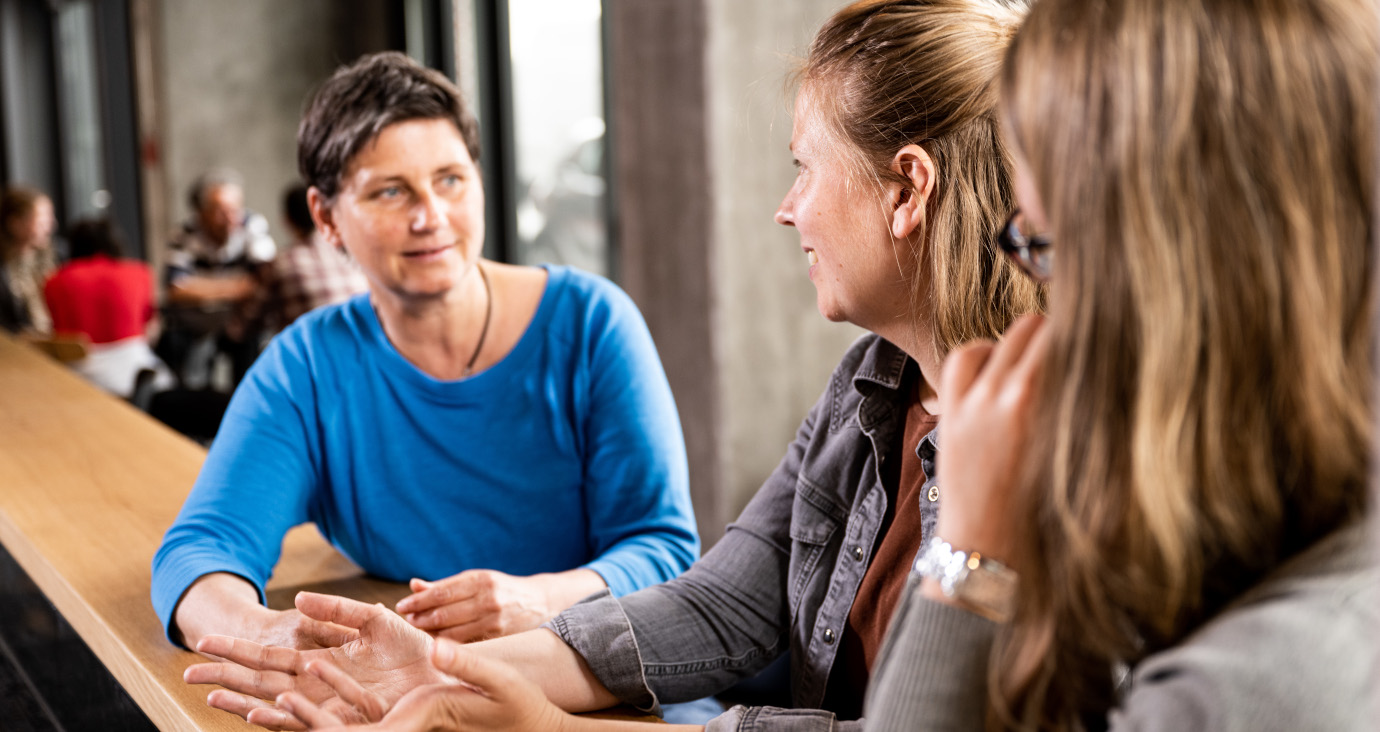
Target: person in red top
[(109, 301)]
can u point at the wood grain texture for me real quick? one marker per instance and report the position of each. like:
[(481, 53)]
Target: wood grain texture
[(88, 485)]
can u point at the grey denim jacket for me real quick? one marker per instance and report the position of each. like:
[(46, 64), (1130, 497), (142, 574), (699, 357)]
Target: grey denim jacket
[(784, 574)]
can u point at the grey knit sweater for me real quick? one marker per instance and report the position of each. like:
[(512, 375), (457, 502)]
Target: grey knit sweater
[(1298, 652)]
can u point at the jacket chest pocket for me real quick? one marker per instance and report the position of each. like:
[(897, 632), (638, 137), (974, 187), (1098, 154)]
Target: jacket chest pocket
[(816, 518)]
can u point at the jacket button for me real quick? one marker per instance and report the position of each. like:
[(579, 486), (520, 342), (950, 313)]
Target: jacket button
[(828, 636), (933, 494), (858, 553)]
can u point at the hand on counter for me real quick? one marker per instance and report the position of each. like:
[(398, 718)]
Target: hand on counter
[(484, 603), (492, 696), (383, 654), (225, 604)]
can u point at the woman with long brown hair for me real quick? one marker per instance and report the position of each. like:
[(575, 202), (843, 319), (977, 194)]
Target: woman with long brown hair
[(26, 258), (1170, 474)]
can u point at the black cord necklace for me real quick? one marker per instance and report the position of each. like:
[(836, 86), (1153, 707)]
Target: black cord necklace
[(488, 314)]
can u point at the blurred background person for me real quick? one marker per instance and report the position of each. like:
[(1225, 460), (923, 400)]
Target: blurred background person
[(312, 272), (108, 301), (213, 274), (26, 258)]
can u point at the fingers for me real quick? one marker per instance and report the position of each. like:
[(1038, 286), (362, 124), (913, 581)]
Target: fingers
[(1015, 342), (371, 705), (465, 613), (482, 629), (1033, 354), (249, 708), (334, 609), (961, 370), (324, 634), (488, 677), (1021, 347), (429, 595), (261, 684), (274, 718), (302, 710), (248, 653)]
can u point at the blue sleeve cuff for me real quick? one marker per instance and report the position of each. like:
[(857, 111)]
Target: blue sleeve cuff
[(640, 564), (170, 583)]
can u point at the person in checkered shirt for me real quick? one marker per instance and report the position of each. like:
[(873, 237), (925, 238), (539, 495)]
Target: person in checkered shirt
[(311, 273)]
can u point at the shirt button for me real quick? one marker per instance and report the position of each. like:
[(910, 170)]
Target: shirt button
[(828, 636), (933, 495), (858, 553)]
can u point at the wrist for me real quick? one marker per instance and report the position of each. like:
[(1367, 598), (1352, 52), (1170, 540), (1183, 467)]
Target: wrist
[(563, 589), (219, 604), (969, 580)]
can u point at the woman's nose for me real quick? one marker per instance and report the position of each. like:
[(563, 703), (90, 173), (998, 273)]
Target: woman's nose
[(785, 215), (428, 214)]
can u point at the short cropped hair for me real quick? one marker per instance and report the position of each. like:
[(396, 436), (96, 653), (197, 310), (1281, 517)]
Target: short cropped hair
[(297, 210), (359, 100), (213, 178), (90, 237)]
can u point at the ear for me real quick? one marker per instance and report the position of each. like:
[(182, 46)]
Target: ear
[(908, 201), (324, 216)]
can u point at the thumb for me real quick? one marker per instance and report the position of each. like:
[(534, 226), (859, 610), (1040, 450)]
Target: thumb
[(486, 675)]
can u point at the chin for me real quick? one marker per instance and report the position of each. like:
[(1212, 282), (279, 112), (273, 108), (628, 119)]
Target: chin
[(832, 312)]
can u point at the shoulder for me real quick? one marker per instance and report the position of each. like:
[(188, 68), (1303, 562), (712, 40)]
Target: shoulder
[(329, 332), (1286, 656), (583, 290), (589, 304)]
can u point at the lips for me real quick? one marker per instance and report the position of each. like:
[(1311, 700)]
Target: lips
[(427, 253)]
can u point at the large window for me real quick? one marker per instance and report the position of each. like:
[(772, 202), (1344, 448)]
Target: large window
[(541, 101)]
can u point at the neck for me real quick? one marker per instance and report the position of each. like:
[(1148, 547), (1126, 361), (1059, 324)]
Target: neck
[(438, 335), (918, 346)]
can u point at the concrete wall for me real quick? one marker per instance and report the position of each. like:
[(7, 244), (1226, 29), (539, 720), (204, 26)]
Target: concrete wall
[(234, 76), (776, 351)]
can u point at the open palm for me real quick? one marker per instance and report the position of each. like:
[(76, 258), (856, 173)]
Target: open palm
[(385, 655)]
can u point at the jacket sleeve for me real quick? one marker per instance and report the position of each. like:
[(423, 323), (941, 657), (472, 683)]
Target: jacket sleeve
[(932, 671), (725, 619), (775, 719), (1287, 660), (255, 485), (637, 482)]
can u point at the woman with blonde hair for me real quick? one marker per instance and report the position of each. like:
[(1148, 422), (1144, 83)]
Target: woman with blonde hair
[(902, 182), (1170, 475)]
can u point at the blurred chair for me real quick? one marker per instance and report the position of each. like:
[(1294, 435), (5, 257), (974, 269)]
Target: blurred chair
[(63, 348)]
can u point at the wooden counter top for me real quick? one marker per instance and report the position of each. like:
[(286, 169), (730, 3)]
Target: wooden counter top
[(88, 485)]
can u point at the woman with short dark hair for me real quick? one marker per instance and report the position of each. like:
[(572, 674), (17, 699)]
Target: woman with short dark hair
[(433, 426), (108, 301)]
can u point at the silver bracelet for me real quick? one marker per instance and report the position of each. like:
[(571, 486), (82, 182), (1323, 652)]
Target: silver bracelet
[(986, 585)]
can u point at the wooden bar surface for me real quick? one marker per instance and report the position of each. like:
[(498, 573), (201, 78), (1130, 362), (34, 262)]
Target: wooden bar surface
[(88, 485)]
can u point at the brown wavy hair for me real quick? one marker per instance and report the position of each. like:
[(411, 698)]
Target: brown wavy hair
[(1207, 173), (16, 202), (889, 73)]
